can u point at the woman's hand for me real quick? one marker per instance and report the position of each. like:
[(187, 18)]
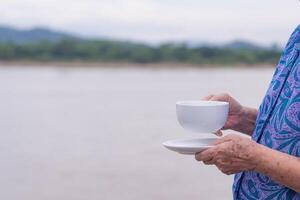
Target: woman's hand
[(240, 118), (231, 154)]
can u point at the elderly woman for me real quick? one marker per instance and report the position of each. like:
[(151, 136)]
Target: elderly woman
[(268, 165)]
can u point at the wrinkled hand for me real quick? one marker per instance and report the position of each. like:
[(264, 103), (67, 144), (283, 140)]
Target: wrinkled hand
[(240, 118), (231, 154), (235, 114)]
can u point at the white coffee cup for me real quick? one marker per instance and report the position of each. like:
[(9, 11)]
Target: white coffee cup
[(202, 116)]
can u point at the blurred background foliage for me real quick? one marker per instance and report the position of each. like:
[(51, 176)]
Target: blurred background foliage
[(71, 49)]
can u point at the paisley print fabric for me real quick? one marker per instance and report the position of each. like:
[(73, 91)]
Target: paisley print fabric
[(277, 126)]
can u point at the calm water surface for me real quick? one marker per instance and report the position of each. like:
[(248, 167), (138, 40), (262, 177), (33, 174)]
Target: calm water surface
[(90, 134)]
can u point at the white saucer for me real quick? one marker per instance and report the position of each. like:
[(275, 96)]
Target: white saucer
[(189, 146)]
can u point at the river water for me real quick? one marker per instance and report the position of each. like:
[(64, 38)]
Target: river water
[(96, 133)]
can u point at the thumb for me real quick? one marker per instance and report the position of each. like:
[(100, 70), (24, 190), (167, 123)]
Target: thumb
[(207, 98), (218, 133), (225, 139)]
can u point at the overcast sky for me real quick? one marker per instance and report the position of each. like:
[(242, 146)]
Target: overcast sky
[(262, 21)]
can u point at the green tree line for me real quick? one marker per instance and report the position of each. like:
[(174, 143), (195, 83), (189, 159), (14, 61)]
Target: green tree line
[(111, 51)]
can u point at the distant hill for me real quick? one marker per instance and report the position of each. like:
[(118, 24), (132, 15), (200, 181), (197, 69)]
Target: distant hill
[(19, 45), (8, 34), (240, 44), (22, 36)]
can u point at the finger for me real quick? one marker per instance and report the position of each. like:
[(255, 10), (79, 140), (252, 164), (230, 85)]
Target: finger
[(228, 172), (220, 97), (224, 170), (210, 162), (218, 133), (226, 138), (231, 137), (206, 98), (205, 155), (220, 141)]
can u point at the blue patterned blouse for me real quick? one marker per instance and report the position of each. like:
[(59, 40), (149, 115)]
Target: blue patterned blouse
[(277, 126)]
